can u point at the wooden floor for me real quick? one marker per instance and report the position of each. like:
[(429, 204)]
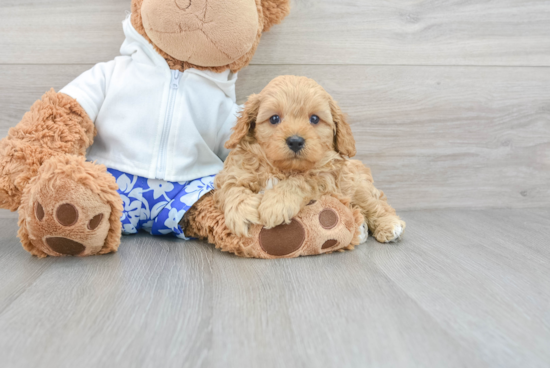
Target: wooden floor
[(465, 288)]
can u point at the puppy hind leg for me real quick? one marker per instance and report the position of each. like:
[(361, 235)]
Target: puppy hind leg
[(382, 220)]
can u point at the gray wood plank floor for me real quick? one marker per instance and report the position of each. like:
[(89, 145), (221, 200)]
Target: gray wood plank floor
[(465, 288)]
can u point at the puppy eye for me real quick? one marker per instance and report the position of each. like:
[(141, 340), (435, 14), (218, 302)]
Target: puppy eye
[(275, 119), (314, 119)]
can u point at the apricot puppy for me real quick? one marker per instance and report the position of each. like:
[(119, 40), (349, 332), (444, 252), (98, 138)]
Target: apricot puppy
[(292, 145)]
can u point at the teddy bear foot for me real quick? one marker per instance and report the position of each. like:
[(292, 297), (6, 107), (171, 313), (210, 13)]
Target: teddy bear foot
[(70, 209), (324, 226)]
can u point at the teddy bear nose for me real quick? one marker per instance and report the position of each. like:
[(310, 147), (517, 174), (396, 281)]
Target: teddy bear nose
[(296, 143)]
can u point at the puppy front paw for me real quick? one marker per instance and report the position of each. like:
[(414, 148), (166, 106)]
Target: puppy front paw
[(276, 210), (240, 218), (238, 225), (390, 231)]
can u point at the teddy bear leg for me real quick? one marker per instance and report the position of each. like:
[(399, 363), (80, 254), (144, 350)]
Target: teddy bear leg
[(324, 226), (71, 208)]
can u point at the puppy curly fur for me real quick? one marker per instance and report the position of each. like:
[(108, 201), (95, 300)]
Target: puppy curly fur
[(261, 153)]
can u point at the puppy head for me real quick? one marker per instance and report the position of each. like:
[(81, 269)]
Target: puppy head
[(296, 122)]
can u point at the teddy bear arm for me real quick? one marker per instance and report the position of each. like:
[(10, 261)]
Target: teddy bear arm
[(55, 125)]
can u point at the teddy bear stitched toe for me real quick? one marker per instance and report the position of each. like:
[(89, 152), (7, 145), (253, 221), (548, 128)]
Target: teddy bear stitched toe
[(66, 214)]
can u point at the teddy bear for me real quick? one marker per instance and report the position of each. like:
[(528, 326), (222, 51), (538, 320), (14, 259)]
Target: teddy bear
[(134, 144)]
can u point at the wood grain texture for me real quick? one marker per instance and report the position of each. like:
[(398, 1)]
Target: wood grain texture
[(61, 31), (435, 137), (427, 32), (148, 304), (463, 289)]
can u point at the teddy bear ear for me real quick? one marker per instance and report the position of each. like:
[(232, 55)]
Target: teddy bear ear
[(274, 11)]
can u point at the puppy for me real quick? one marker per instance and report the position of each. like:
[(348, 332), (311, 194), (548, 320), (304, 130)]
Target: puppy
[(291, 145)]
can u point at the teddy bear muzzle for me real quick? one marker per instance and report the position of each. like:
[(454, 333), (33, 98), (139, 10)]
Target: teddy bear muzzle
[(207, 33)]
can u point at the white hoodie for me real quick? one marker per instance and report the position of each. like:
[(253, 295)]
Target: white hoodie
[(156, 122)]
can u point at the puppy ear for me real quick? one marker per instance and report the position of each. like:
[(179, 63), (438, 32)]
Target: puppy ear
[(274, 12), (245, 123), (344, 142)]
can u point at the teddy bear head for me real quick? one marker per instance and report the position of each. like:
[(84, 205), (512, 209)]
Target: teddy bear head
[(206, 34)]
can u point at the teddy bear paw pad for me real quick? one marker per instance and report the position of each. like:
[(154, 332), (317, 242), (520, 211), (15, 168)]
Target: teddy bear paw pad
[(282, 240), (65, 246), (329, 244)]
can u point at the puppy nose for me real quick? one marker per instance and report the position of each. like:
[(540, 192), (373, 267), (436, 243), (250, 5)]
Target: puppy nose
[(296, 143)]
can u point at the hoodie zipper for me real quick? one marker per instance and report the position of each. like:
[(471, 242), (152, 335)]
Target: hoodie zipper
[(161, 161)]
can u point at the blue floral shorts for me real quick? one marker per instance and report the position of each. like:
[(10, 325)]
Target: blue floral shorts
[(157, 206)]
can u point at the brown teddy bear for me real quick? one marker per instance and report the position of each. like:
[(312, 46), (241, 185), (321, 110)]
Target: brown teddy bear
[(157, 117), (134, 144)]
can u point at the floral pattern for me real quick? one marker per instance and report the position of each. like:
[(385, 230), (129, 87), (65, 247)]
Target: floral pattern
[(157, 206)]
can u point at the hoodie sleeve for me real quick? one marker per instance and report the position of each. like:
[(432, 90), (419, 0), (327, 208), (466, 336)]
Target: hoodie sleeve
[(90, 88), (226, 131)]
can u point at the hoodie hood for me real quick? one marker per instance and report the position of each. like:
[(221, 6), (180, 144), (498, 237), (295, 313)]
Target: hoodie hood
[(141, 51)]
